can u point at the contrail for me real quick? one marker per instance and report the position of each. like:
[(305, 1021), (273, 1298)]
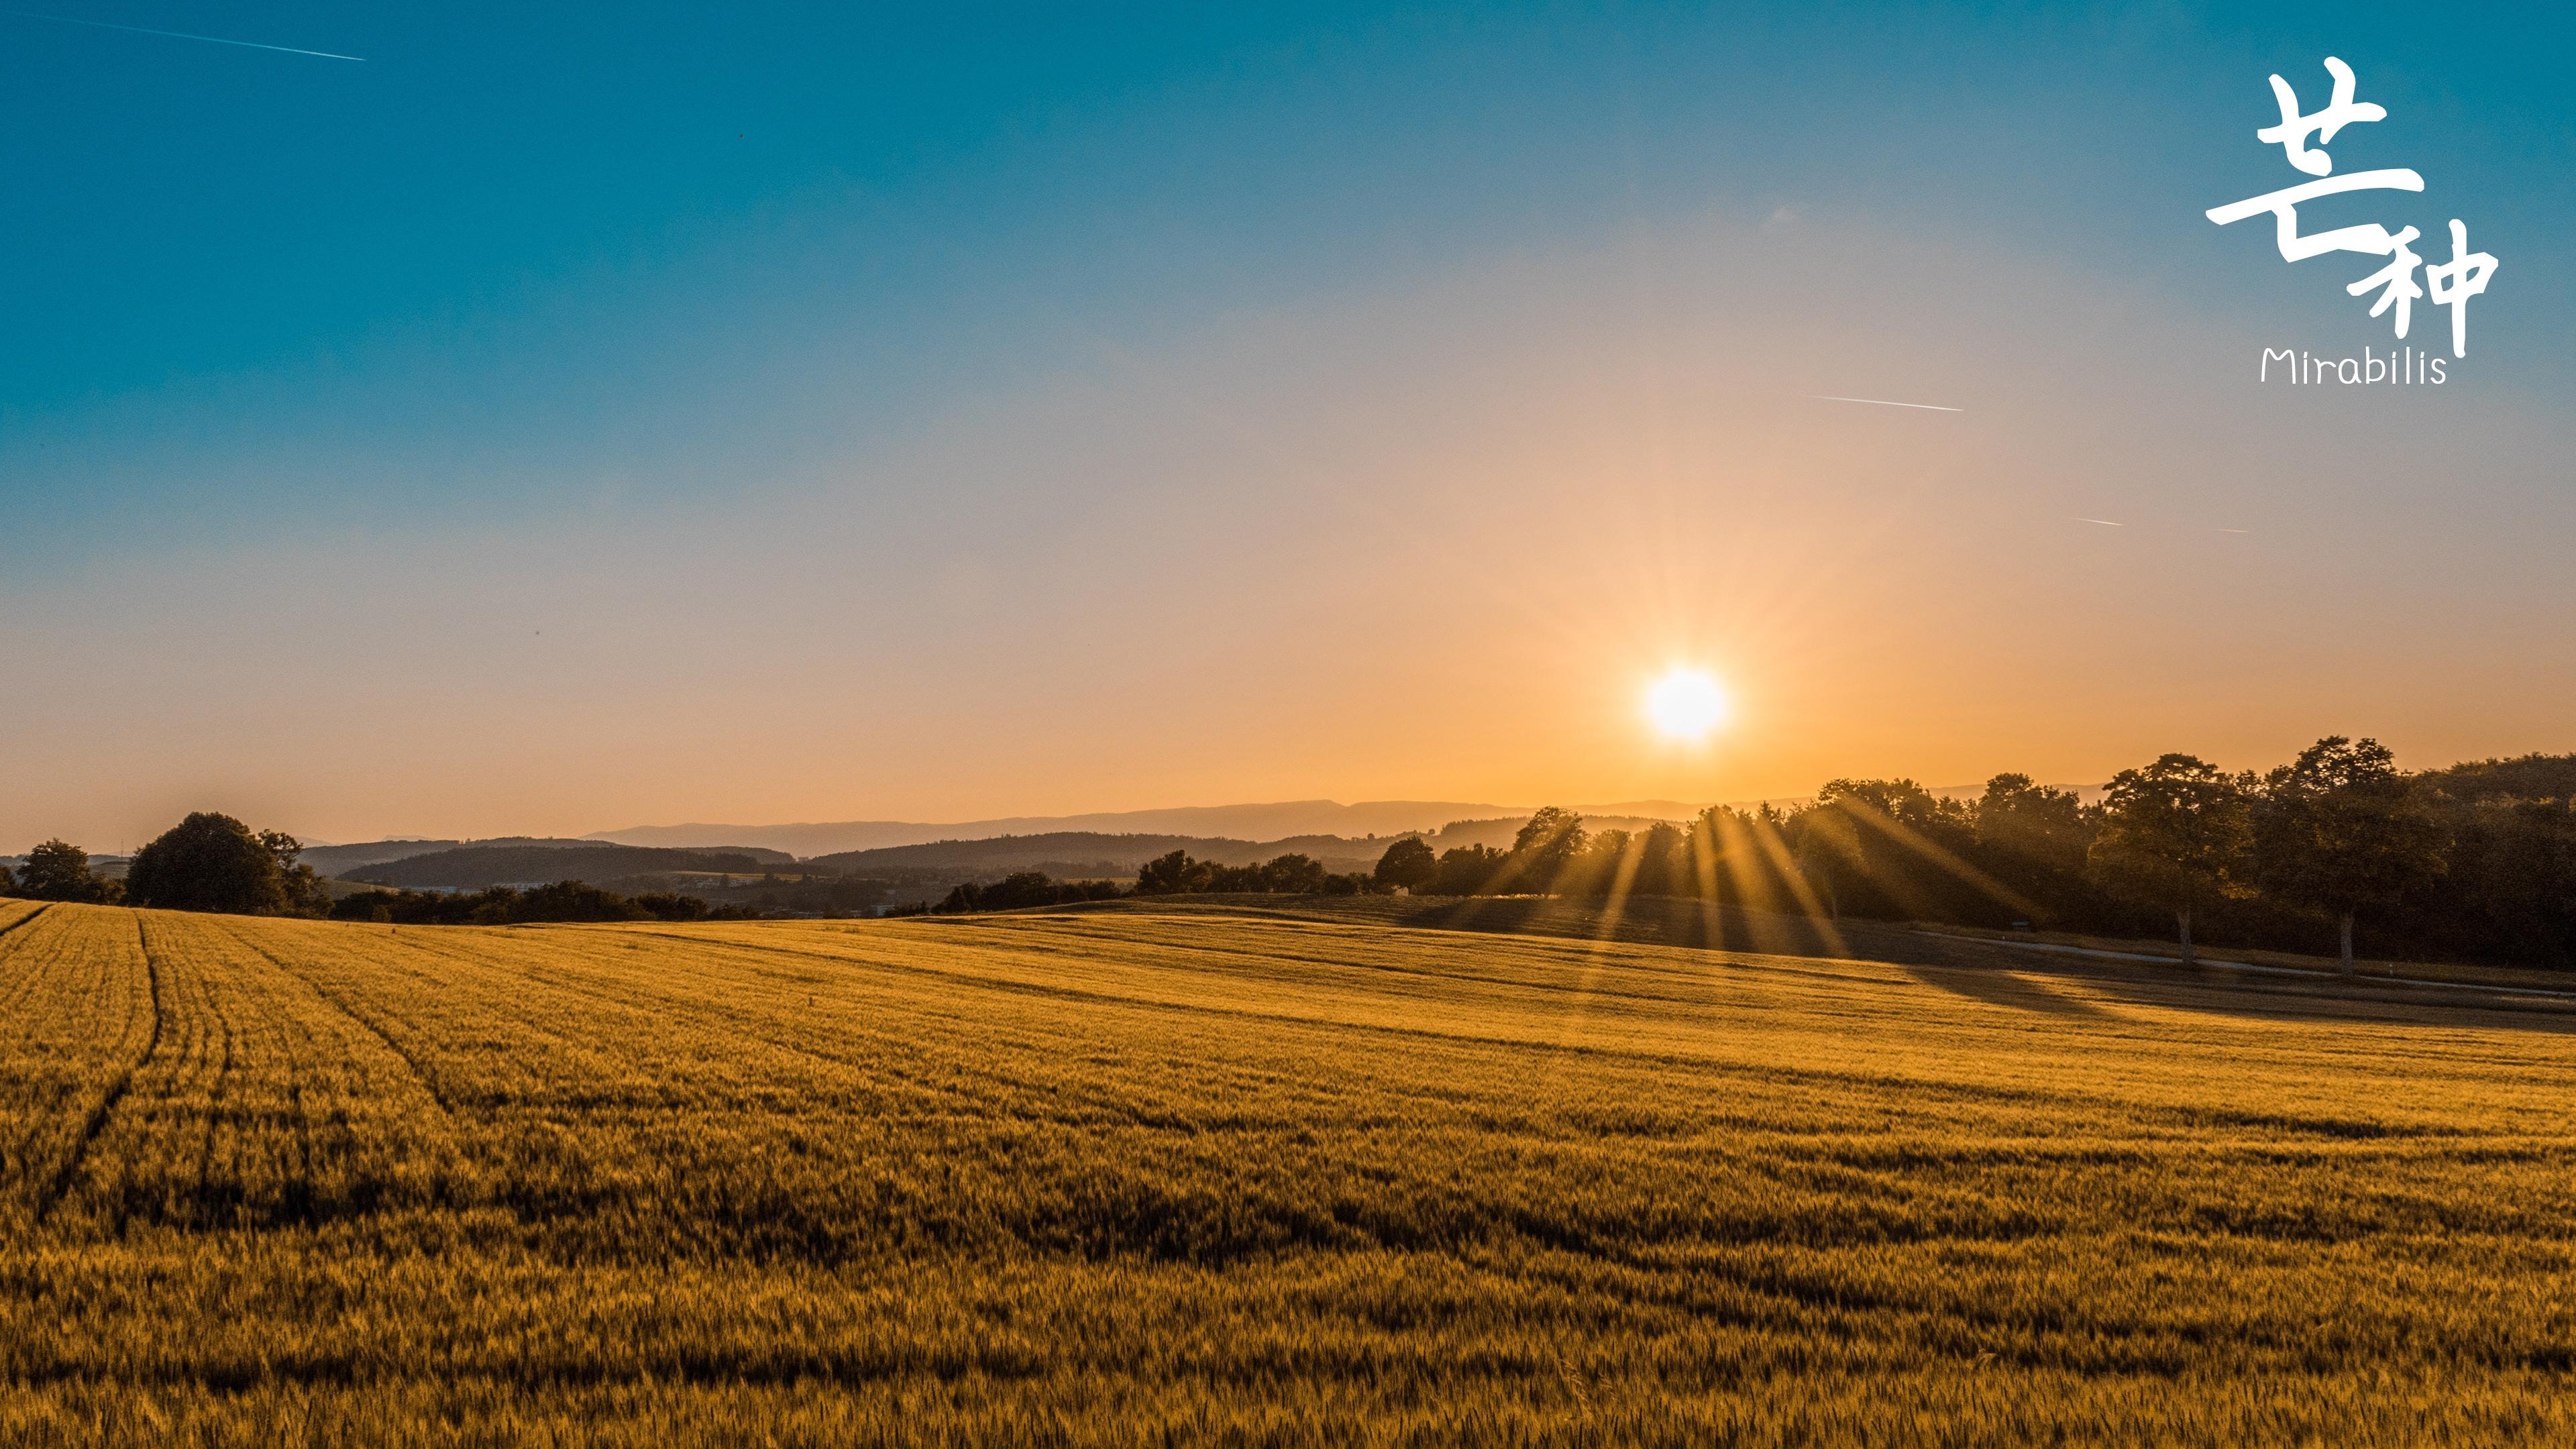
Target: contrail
[(179, 35), (1884, 403), (2106, 523)]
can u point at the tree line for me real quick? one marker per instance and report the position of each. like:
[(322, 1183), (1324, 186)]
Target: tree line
[(1293, 874), (2474, 862), (211, 862), (1177, 873), (207, 862), (565, 900), (1016, 891)]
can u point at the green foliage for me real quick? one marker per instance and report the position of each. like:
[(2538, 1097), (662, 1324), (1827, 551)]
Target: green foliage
[(1606, 860), (2342, 831), (1407, 865), (1023, 889), (2456, 864), (1542, 850), (2525, 777), (2175, 838), (1892, 848), (2031, 831), (1663, 864), (1830, 853), (1171, 874), (2175, 832), (1465, 870), (1651, 862), (298, 884), (1292, 874), (504, 906), (59, 871), (2509, 892), (211, 862)]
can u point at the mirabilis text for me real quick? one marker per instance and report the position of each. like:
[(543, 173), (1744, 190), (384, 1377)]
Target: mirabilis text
[(2399, 366)]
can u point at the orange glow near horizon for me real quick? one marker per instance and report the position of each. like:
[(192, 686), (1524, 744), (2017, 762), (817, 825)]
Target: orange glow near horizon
[(1444, 544)]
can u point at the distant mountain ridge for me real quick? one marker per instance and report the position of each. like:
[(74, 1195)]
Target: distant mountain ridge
[(1083, 854), (1330, 829), (1275, 821), (339, 860), (485, 864)]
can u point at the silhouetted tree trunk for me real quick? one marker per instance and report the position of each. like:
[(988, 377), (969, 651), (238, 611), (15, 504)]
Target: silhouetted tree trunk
[(2345, 921), (2184, 917)]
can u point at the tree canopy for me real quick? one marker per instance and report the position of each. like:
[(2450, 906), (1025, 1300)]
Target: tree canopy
[(211, 862), (1543, 848), (1408, 864), (59, 871), (2340, 830), (2175, 833)]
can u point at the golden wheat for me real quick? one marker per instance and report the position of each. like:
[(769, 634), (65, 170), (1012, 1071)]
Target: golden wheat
[(1200, 1176)]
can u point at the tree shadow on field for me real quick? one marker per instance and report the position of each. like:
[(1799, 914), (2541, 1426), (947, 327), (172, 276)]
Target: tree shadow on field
[(2219, 988), (1984, 970), (1642, 920), (2005, 988)]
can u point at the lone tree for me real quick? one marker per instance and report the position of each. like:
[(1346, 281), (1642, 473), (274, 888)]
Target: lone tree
[(211, 862), (59, 871), (1544, 847), (2174, 833), (1408, 863), (2340, 830)]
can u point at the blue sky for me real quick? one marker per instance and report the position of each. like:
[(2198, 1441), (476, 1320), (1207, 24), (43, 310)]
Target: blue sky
[(664, 282)]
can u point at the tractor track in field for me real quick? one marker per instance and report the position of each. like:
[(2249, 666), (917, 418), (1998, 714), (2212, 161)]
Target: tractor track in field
[(742, 1022), (27, 981), (22, 920), (1718, 1066), (96, 1124), (428, 1083), (217, 1112)]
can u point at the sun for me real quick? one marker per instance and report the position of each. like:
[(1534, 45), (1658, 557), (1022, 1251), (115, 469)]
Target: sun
[(1685, 704)]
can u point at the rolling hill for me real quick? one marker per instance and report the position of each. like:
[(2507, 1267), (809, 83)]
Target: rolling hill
[(335, 860), (1234, 822), (1285, 820), (340, 860), (484, 864), (1080, 854)]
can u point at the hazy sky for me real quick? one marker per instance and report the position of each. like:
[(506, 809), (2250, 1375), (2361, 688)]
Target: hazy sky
[(568, 418)]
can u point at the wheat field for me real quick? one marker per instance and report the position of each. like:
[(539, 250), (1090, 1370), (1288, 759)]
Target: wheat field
[(1152, 1177)]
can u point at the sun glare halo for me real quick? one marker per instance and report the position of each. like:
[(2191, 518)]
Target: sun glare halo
[(1685, 704)]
